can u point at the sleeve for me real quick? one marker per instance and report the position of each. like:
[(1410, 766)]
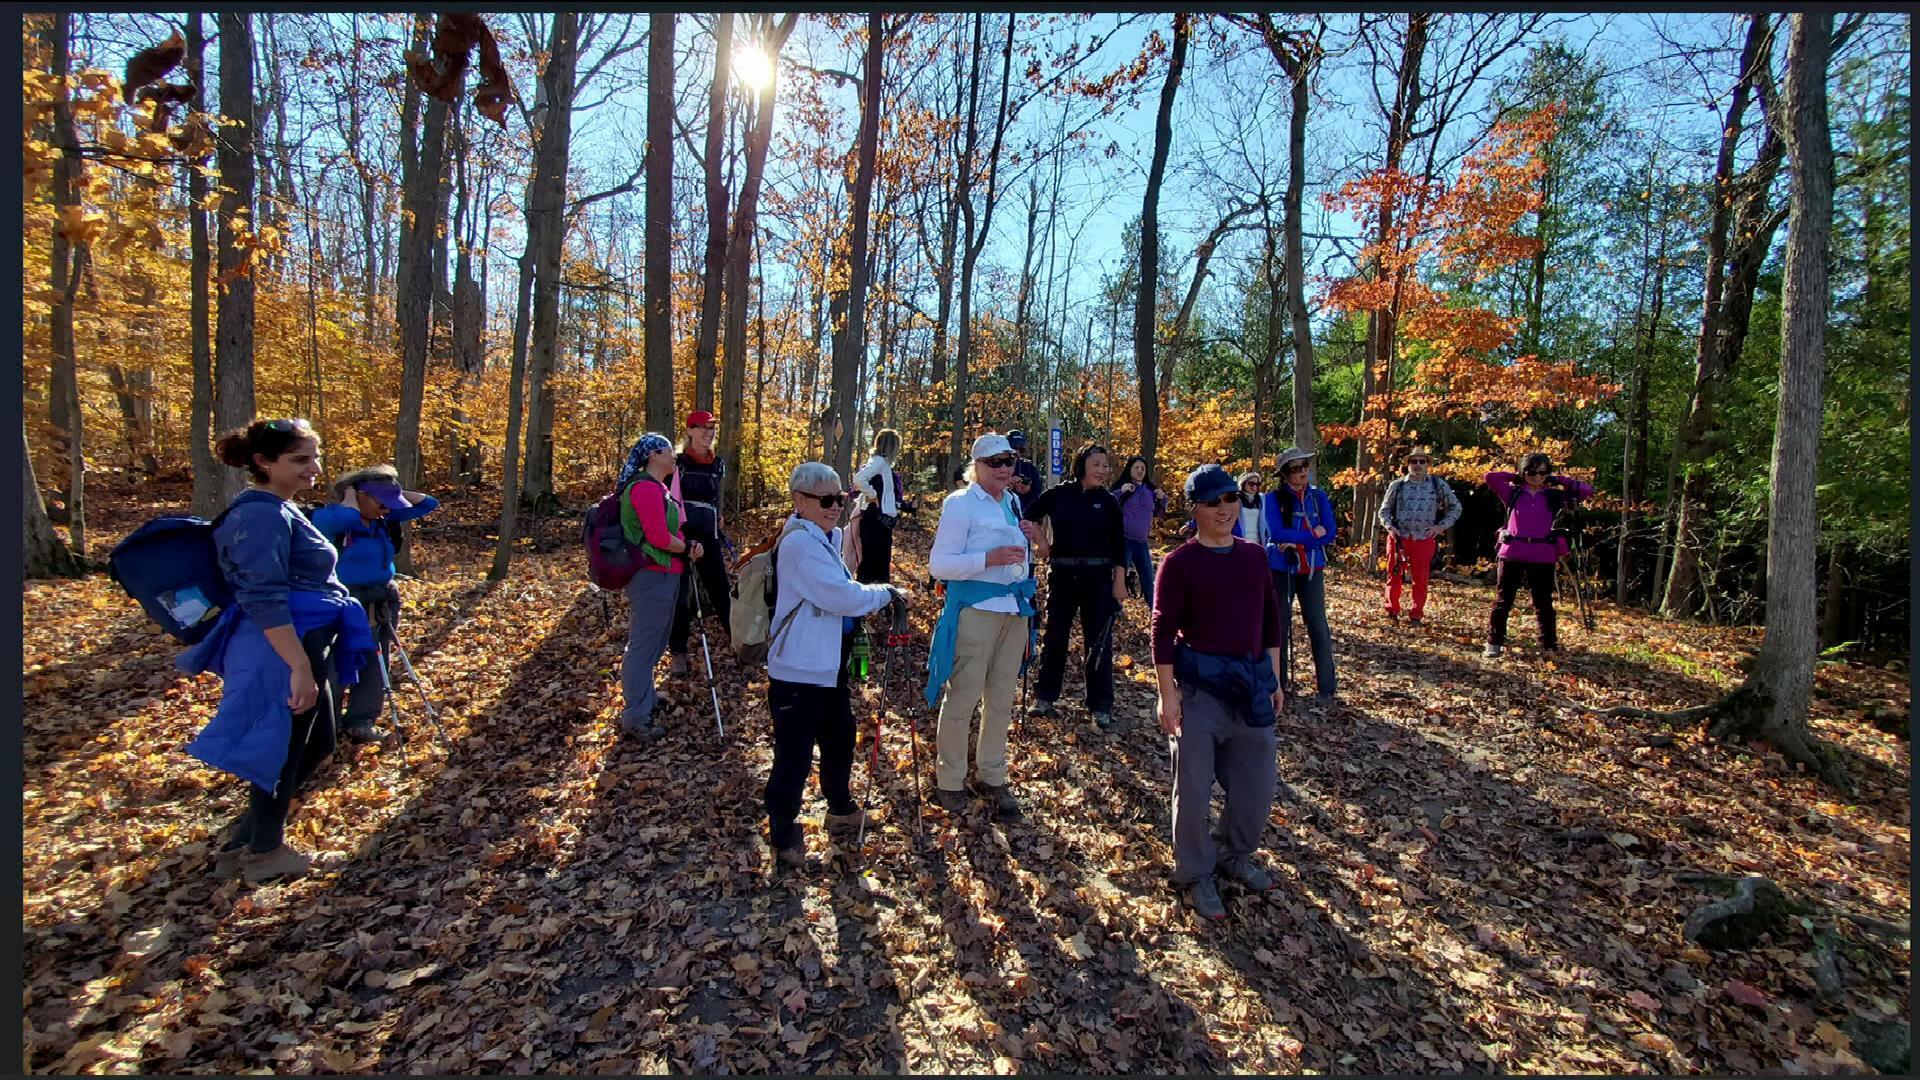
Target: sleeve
[(1277, 532), (1327, 516), (650, 507), (1116, 535), (949, 558), (254, 544), (1168, 605), (1393, 489), (427, 505), (1453, 508), (1580, 488), (1270, 637), (864, 478), (1041, 505), (820, 579), (1500, 482), (332, 523), (1159, 501)]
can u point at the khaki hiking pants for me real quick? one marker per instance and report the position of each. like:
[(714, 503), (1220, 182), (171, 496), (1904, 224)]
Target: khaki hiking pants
[(986, 663)]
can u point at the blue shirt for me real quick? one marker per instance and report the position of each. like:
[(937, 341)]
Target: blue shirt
[(1297, 528), (366, 553), (268, 548)]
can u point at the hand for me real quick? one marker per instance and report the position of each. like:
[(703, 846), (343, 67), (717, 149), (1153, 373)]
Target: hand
[(1030, 530), (1120, 591), (693, 551), (900, 595), (1170, 714), (1010, 555), (1127, 488), (302, 691), (1319, 531), (1279, 700)]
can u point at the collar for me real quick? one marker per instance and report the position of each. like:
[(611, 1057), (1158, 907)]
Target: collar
[(697, 456), (808, 526), (978, 492)]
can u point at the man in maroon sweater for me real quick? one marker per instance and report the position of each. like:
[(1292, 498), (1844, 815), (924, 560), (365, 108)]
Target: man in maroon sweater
[(1214, 615)]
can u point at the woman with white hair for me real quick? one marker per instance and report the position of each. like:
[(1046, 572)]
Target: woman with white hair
[(980, 549), (816, 609)]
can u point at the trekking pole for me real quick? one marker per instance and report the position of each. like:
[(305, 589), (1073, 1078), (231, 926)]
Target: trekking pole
[(707, 657), (393, 706), (890, 643), (421, 686)]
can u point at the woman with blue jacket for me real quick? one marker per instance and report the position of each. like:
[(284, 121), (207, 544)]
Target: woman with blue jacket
[(1300, 529), (291, 630), (362, 526)]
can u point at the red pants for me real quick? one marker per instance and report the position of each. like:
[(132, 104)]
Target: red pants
[(1419, 557)]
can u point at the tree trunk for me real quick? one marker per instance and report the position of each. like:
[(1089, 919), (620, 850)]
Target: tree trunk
[(976, 238), (1783, 670), (42, 553), (233, 347), (1634, 452), (707, 341), (469, 334), (516, 408), (67, 265), (659, 269), (546, 197), (1144, 365), (1833, 605), (424, 202), (1733, 268), (206, 467), (850, 320), (739, 253), (1299, 67)]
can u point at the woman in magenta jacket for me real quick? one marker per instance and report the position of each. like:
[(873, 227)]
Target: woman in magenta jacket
[(1530, 545)]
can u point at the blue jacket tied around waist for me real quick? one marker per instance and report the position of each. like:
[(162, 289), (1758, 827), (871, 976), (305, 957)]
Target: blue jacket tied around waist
[(1243, 682), (946, 633), (249, 732)]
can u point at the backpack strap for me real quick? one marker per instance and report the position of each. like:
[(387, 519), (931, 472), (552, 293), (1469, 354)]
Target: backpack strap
[(772, 586)]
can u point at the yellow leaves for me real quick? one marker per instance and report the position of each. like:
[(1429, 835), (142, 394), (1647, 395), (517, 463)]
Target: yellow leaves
[(80, 225)]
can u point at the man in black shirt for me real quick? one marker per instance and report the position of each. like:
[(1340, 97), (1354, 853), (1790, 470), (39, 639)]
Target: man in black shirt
[(1027, 482), (1088, 577)]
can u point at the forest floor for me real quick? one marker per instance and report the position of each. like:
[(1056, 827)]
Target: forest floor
[(1477, 873)]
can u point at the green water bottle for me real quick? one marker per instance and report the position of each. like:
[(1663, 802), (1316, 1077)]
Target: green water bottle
[(861, 656)]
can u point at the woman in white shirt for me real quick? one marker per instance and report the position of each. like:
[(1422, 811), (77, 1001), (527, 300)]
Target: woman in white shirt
[(876, 510), (981, 549), (816, 609), (1252, 525)]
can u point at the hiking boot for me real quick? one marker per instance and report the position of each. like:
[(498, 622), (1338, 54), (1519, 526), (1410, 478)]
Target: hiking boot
[(1415, 620), (1041, 707), (1205, 896), (953, 802), (1326, 702), (1553, 650), (1005, 806), (282, 861), (642, 733), (791, 858), (1252, 876), (1393, 616), (678, 666), (1103, 720), (847, 822), (227, 863), (1491, 650), (367, 733)]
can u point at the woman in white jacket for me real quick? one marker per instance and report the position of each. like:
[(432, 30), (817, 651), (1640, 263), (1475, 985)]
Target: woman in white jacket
[(816, 608), (870, 548)]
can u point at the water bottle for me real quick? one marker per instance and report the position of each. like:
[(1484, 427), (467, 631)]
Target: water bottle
[(861, 655)]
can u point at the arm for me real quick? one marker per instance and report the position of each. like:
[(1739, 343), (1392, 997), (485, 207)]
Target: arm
[(1453, 509), (1500, 482), (1326, 519), (1277, 532), (423, 505), (1039, 506), (864, 478), (1169, 607), (650, 506), (1579, 489), (818, 578), (255, 543), (1385, 519), (949, 559)]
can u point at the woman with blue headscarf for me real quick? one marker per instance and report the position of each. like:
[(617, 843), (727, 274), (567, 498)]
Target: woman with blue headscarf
[(653, 521)]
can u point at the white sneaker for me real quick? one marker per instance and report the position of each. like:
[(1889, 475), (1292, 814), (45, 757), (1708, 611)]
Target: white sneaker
[(1491, 650)]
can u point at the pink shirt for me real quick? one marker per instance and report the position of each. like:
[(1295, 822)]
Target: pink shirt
[(650, 507)]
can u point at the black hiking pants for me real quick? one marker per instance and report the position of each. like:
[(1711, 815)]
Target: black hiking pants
[(804, 716), (1538, 578), (716, 600), (263, 827)]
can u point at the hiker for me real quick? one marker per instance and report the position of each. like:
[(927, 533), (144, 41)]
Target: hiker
[(1530, 544), (1417, 508), (699, 475), (1300, 529), (656, 526), (1251, 525), (876, 511), (980, 549), (1027, 482), (816, 609), (1141, 500), (361, 525), (292, 630), (1216, 654), (1087, 577)]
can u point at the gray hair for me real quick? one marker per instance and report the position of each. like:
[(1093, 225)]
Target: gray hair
[(814, 478)]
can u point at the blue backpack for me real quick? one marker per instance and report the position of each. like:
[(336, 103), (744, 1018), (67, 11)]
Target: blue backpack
[(170, 565)]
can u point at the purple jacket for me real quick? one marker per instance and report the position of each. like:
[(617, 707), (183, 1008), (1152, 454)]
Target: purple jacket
[(1530, 516), (1137, 510)]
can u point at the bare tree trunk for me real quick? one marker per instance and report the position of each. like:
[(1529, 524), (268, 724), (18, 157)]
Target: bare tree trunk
[(68, 264), (850, 321), (1298, 58), (516, 408), (1143, 306), (659, 328), (707, 341), (469, 331), (550, 175), (976, 238), (233, 347), (1635, 458), (419, 229), (1782, 678), (206, 468), (42, 553)]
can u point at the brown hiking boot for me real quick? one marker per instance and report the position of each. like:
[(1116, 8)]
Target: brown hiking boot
[(1005, 806), (791, 858), (846, 822), (282, 861), (227, 863), (953, 802)]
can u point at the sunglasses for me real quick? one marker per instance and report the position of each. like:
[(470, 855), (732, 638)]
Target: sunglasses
[(288, 426), (1538, 472), (827, 502), (1231, 497), (999, 461), (1418, 460), (1295, 468)]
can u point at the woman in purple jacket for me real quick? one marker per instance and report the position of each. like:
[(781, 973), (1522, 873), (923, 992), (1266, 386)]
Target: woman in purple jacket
[(1141, 500), (1530, 545)]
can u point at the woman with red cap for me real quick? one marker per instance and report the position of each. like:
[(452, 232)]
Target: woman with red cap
[(699, 476)]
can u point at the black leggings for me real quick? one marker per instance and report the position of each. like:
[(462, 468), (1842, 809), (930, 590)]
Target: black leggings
[(805, 716), (712, 569), (263, 827), (876, 548), (1538, 578)]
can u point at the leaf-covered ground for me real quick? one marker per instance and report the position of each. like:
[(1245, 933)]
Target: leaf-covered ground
[(1476, 872)]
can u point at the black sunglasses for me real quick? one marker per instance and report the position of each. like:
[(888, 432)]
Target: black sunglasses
[(1229, 497), (827, 502), (1418, 460), (999, 461), (1295, 468), (288, 426), (1539, 472)]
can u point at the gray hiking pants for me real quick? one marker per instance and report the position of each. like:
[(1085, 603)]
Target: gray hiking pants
[(1215, 743), (650, 604)]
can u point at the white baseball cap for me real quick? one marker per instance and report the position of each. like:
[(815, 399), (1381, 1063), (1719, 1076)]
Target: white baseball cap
[(991, 444)]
